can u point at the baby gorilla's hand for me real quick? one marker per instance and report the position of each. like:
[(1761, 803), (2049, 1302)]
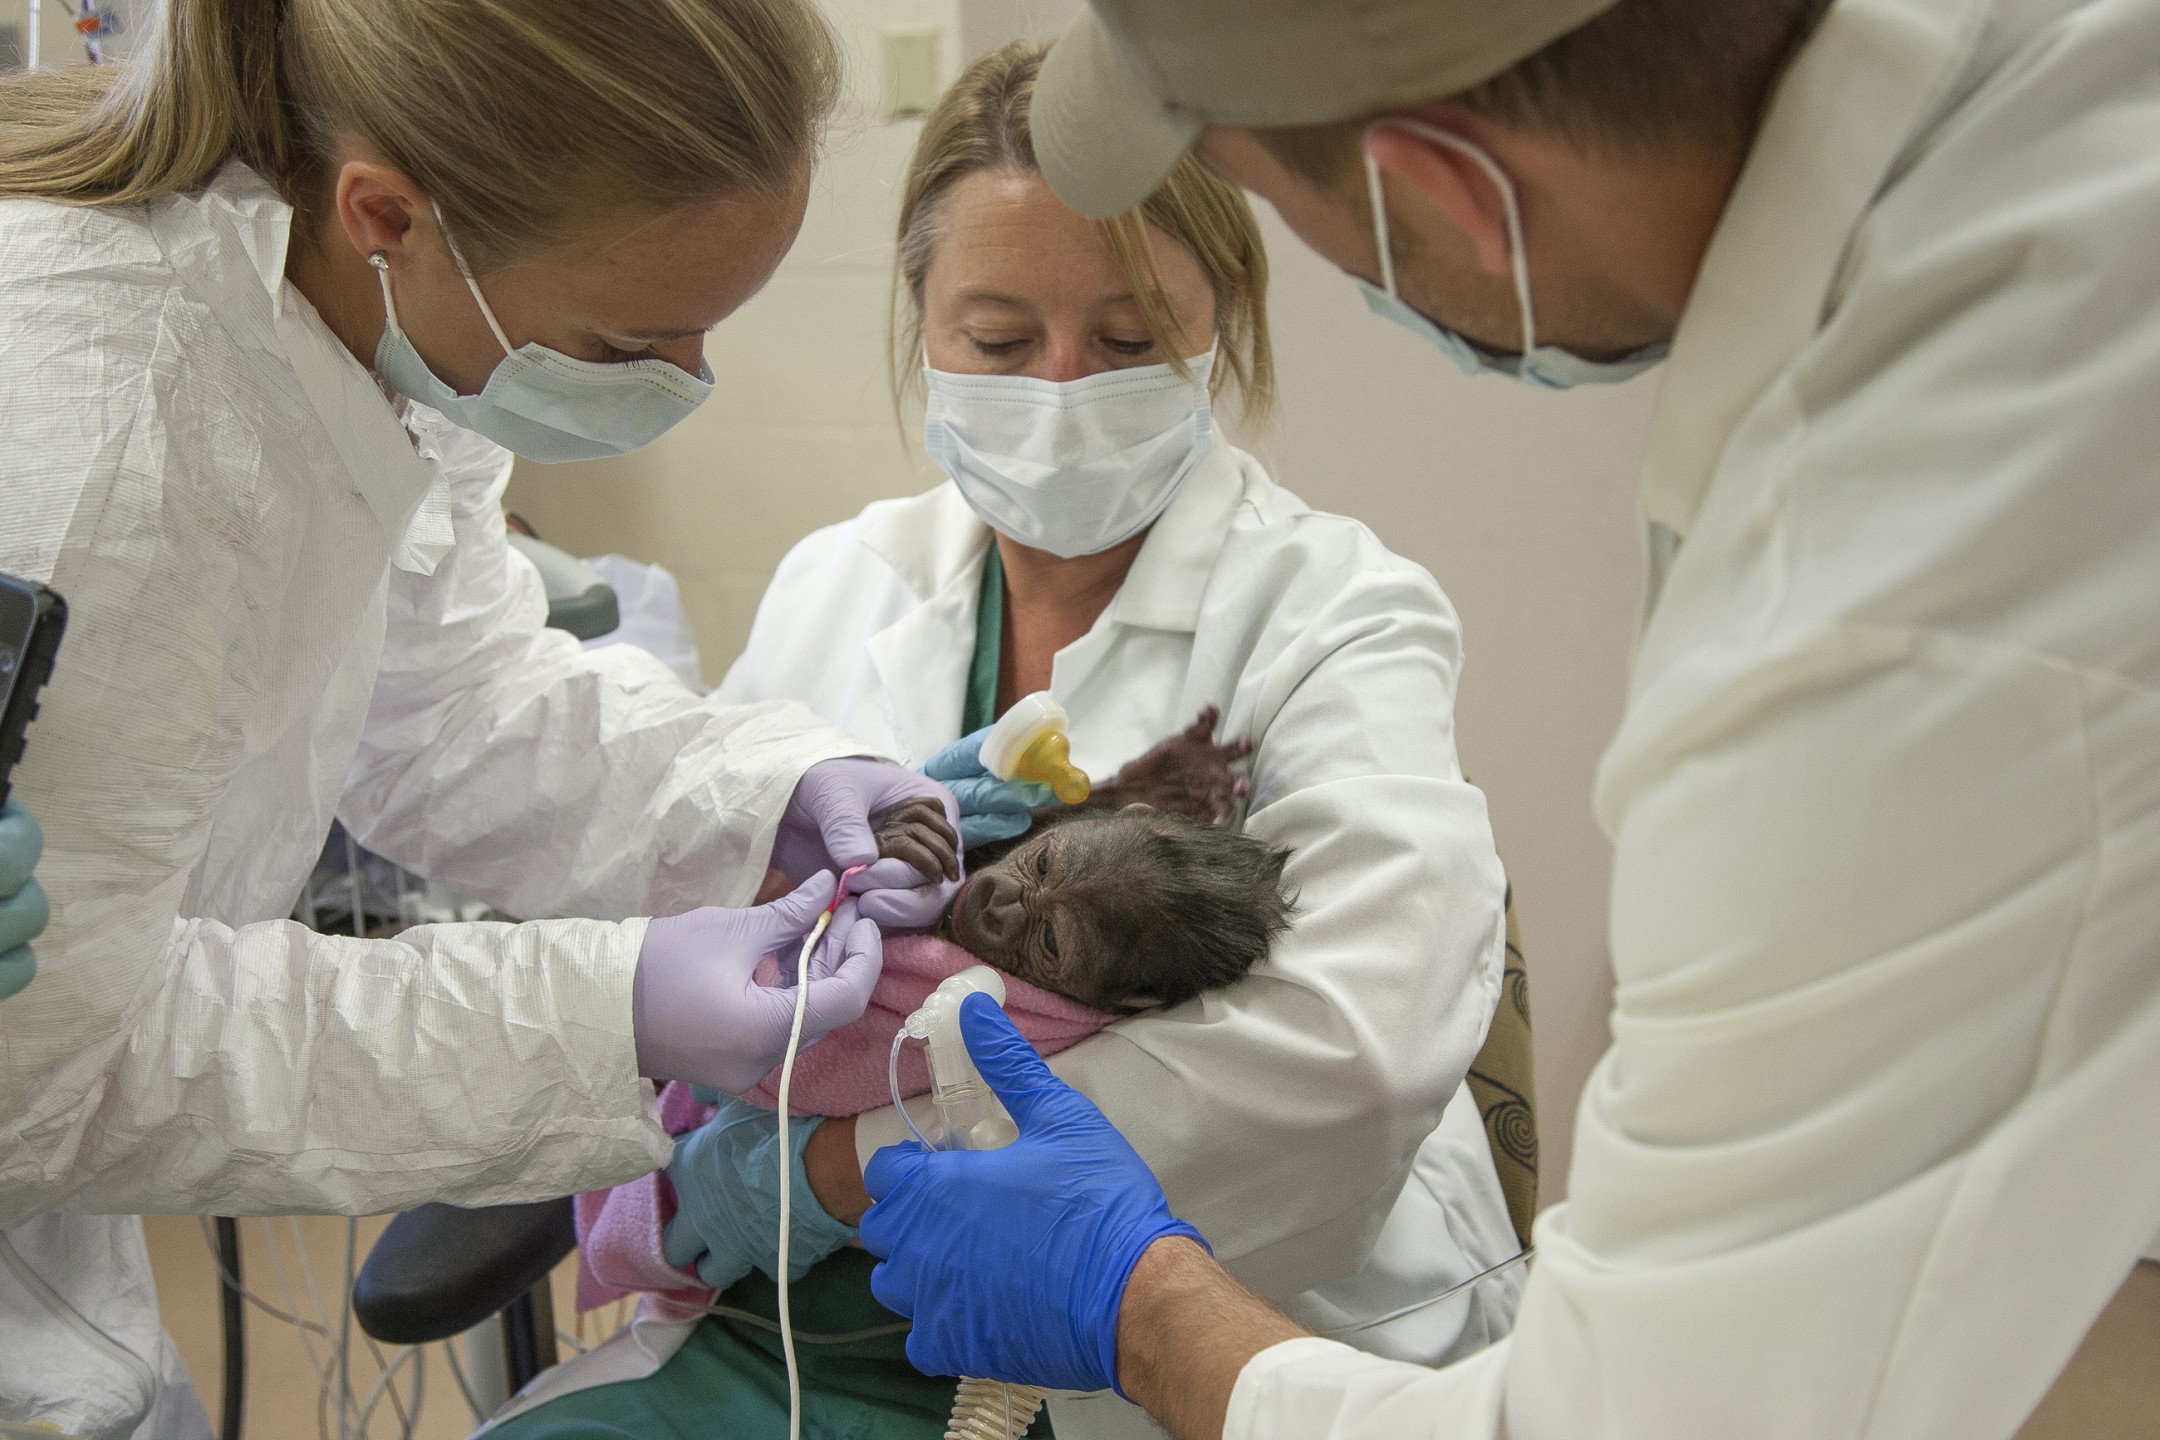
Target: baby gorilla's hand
[(919, 833), (1188, 774)]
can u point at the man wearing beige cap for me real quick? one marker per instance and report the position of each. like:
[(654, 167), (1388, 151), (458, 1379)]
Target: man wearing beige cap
[(1879, 1134)]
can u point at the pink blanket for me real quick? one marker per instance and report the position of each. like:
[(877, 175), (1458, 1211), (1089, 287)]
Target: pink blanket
[(619, 1250)]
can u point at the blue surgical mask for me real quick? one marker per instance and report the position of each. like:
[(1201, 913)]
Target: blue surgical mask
[(541, 403), (1545, 365)]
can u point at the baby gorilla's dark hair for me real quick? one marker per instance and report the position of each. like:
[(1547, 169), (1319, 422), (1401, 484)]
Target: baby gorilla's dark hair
[(1166, 908)]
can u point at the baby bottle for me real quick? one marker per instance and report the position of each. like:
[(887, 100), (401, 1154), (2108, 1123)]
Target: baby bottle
[(1029, 743)]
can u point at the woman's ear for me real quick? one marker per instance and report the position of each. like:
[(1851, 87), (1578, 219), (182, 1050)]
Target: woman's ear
[(380, 209), (1437, 183)]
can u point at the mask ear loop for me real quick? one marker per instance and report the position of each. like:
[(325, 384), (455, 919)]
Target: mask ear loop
[(381, 262), (1518, 251), (471, 284)]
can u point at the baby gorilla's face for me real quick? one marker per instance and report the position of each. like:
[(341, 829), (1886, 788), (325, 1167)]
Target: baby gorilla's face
[(1010, 913)]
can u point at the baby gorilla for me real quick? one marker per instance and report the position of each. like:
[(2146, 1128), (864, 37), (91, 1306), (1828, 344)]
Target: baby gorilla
[(1119, 910)]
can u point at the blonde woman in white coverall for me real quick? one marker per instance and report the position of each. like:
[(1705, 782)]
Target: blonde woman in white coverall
[(1879, 1134), (269, 299)]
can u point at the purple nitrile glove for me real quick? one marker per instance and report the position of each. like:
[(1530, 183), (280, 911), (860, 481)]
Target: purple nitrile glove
[(827, 826), (1013, 1263), (697, 1013)]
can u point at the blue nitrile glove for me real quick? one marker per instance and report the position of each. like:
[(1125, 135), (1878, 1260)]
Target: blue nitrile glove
[(23, 911), (990, 808), (726, 1175), (1012, 1263)]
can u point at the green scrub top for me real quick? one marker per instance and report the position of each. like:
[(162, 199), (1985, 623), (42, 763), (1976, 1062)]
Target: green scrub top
[(730, 1378), (979, 707)]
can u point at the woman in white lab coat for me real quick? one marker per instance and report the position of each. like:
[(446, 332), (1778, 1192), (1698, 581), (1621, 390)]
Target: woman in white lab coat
[(269, 298), (1311, 1120)]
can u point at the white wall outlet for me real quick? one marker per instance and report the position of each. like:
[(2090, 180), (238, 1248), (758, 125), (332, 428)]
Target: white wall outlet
[(914, 70)]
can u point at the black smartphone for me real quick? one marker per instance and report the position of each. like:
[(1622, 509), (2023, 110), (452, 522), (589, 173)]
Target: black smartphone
[(32, 618)]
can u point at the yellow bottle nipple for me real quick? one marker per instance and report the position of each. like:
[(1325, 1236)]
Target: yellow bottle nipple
[(1048, 761)]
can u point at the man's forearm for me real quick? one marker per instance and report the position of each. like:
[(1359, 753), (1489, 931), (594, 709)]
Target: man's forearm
[(1185, 1332), (835, 1178)]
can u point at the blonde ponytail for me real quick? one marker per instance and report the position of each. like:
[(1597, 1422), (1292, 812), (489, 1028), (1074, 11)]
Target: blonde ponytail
[(520, 118)]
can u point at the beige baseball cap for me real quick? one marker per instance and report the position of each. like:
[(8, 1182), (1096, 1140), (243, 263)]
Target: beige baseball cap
[(1126, 91)]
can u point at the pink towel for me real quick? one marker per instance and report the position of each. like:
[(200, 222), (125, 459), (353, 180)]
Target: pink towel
[(618, 1230)]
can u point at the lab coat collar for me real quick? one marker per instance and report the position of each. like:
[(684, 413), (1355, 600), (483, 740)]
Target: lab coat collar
[(409, 497), (1852, 102), (935, 545), (1170, 575)]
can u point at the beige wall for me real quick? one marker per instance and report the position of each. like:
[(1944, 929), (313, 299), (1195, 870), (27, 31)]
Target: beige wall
[(1520, 502)]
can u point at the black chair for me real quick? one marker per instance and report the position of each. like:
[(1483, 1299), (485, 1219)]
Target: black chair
[(438, 1271)]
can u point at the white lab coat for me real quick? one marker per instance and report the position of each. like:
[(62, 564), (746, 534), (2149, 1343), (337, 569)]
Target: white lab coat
[(1879, 1134), (279, 597)]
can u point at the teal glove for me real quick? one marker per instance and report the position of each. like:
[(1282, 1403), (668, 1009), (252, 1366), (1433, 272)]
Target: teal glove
[(726, 1175), (990, 808), (23, 911)]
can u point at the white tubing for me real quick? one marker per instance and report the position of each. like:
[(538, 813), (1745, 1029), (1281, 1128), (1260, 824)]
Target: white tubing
[(787, 1176)]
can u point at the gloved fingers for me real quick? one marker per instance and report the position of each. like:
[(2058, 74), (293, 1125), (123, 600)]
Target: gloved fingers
[(790, 917), (891, 1167), (680, 1242), (23, 916), (1008, 1062), (18, 967), (718, 1273), (1204, 727), (887, 1288), (986, 795), (959, 760), (912, 909), (832, 946), (894, 874), (841, 997), (21, 843), (985, 829)]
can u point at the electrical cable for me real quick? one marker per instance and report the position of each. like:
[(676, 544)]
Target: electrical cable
[(1520, 1258), (384, 1386), (787, 1176), (787, 1153), (233, 1317), (457, 1373), (304, 1329), (344, 1357)]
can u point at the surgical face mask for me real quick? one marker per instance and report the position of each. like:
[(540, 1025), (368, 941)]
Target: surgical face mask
[(1546, 365), (1070, 466), (541, 403)]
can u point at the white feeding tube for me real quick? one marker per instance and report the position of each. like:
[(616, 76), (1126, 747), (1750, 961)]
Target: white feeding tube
[(787, 1176)]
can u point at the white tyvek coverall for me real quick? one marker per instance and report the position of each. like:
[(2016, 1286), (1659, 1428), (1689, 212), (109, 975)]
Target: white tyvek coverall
[(1879, 1133), (279, 599)]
